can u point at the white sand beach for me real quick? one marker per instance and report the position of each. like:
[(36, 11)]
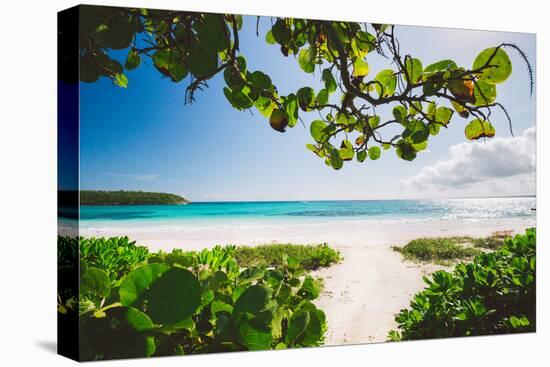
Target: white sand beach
[(363, 293)]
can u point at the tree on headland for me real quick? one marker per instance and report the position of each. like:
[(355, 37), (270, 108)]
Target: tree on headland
[(196, 47)]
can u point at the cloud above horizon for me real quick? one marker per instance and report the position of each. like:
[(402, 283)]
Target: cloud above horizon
[(499, 166)]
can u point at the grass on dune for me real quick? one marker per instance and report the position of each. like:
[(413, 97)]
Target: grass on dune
[(310, 257), (446, 250)]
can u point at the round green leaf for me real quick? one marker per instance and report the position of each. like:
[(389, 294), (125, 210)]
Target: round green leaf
[(317, 129), (306, 98), (374, 153), (313, 331), (174, 296), (400, 114), (279, 120), (322, 97), (499, 65), (443, 115), (484, 93), (306, 59), (281, 33), (254, 333), (132, 60), (297, 327), (405, 150), (479, 129), (202, 61), (386, 83), (253, 300), (328, 79), (211, 32), (95, 281), (138, 281)]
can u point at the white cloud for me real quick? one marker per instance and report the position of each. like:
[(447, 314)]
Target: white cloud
[(499, 166)]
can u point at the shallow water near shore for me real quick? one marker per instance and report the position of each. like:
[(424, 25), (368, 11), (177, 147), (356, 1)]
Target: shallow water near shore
[(341, 223)]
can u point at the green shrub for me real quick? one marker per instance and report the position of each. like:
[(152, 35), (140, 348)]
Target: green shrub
[(492, 242), (115, 255), (310, 257), (494, 294), (187, 302), (439, 249)]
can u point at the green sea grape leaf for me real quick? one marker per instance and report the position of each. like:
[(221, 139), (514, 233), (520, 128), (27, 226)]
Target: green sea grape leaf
[(374, 153), (280, 32), (219, 306), (95, 281), (306, 98), (400, 114), (171, 294), (443, 115), (328, 79), (202, 61), (174, 296), (485, 93), (269, 38), (138, 281), (322, 97), (477, 129), (211, 31), (254, 333), (306, 59), (360, 67), (253, 300), (499, 65), (138, 320), (291, 108), (317, 129), (121, 80), (405, 150), (297, 327), (414, 69), (313, 331), (386, 83), (132, 60), (335, 159), (442, 65)]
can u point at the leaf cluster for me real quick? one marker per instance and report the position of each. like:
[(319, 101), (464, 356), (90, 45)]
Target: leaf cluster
[(196, 47), (493, 294), (190, 302)]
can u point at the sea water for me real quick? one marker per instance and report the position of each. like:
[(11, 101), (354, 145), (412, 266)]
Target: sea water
[(243, 215)]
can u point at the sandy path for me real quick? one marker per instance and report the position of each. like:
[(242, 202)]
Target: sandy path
[(362, 294)]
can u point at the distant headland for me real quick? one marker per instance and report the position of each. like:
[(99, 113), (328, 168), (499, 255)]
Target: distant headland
[(101, 197)]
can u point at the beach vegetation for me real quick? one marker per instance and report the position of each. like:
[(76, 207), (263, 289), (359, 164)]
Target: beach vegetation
[(197, 47), (493, 294), (310, 257), (442, 250), (187, 302), (99, 197)]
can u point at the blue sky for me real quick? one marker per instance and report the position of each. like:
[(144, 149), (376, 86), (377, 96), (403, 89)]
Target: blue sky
[(145, 137)]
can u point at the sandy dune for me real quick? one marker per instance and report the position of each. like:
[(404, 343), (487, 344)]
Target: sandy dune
[(363, 293)]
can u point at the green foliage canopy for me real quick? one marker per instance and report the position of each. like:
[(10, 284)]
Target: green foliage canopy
[(199, 46)]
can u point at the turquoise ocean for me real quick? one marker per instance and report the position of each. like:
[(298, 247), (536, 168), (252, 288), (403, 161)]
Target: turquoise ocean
[(215, 214)]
